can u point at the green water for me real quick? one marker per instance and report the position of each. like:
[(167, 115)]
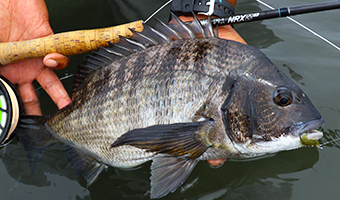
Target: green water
[(306, 173)]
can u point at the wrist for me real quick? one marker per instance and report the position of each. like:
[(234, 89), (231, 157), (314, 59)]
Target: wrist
[(224, 32), (206, 7)]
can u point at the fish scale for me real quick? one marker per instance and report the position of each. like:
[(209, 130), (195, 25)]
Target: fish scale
[(175, 103), (186, 96)]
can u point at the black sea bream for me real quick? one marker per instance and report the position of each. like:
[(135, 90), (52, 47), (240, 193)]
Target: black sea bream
[(174, 95)]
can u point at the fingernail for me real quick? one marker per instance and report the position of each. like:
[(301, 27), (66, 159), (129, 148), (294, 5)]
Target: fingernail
[(51, 63)]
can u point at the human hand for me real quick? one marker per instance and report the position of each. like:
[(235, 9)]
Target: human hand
[(23, 20), (224, 32)]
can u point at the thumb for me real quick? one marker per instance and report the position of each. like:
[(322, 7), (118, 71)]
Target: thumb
[(56, 61)]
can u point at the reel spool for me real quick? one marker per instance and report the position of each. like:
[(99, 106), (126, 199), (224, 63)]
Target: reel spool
[(10, 109)]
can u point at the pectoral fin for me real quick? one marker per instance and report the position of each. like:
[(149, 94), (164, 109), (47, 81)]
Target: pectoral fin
[(168, 173), (181, 139)]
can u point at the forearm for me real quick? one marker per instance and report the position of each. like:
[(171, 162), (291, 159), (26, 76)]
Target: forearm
[(232, 2)]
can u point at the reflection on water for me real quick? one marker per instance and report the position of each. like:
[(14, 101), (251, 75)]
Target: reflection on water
[(52, 161), (52, 178), (235, 180), (294, 75), (255, 33), (258, 179)]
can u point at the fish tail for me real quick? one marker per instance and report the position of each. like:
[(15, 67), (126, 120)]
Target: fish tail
[(35, 135)]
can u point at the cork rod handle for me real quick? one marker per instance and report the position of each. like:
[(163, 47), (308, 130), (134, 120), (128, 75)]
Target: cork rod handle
[(68, 43)]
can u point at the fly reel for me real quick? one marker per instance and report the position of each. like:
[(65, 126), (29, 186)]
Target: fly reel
[(10, 109)]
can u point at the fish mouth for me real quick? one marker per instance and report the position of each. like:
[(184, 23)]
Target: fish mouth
[(307, 130)]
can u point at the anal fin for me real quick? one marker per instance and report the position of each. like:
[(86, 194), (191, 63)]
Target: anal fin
[(84, 165), (168, 173)]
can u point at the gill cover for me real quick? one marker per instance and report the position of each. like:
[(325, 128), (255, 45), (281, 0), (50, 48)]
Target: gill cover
[(237, 110), (264, 104)]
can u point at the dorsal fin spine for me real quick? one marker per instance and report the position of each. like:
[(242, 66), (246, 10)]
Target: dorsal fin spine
[(113, 52), (93, 63), (210, 28), (150, 36), (135, 43), (130, 45), (216, 31), (150, 40), (172, 31), (96, 60), (182, 25), (123, 48), (103, 56), (161, 35), (198, 25)]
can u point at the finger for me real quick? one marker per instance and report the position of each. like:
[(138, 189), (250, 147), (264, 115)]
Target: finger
[(50, 82), (56, 60), (216, 162), (29, 99)]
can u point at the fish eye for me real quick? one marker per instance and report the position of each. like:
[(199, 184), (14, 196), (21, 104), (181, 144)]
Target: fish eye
[(283, 96)]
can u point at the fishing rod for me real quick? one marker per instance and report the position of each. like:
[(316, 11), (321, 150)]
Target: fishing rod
[(276, 13), (77, 42)]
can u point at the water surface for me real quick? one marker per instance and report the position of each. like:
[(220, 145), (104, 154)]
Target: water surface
[(306, 173)]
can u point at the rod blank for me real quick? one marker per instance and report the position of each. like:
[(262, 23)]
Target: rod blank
[(270, 14)]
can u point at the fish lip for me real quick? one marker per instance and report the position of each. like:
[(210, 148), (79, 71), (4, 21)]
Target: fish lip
[(303, 127)]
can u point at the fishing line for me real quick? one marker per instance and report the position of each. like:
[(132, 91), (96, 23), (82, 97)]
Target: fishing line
[(153, 14), (62, 78), (66, 76), (334, 140), (303, 26), (159, 9), (267, 15)]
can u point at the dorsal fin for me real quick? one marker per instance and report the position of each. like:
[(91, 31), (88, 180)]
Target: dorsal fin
[(178, 25), (197, 27), (171, 33), (209, 29), (150, 36)]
